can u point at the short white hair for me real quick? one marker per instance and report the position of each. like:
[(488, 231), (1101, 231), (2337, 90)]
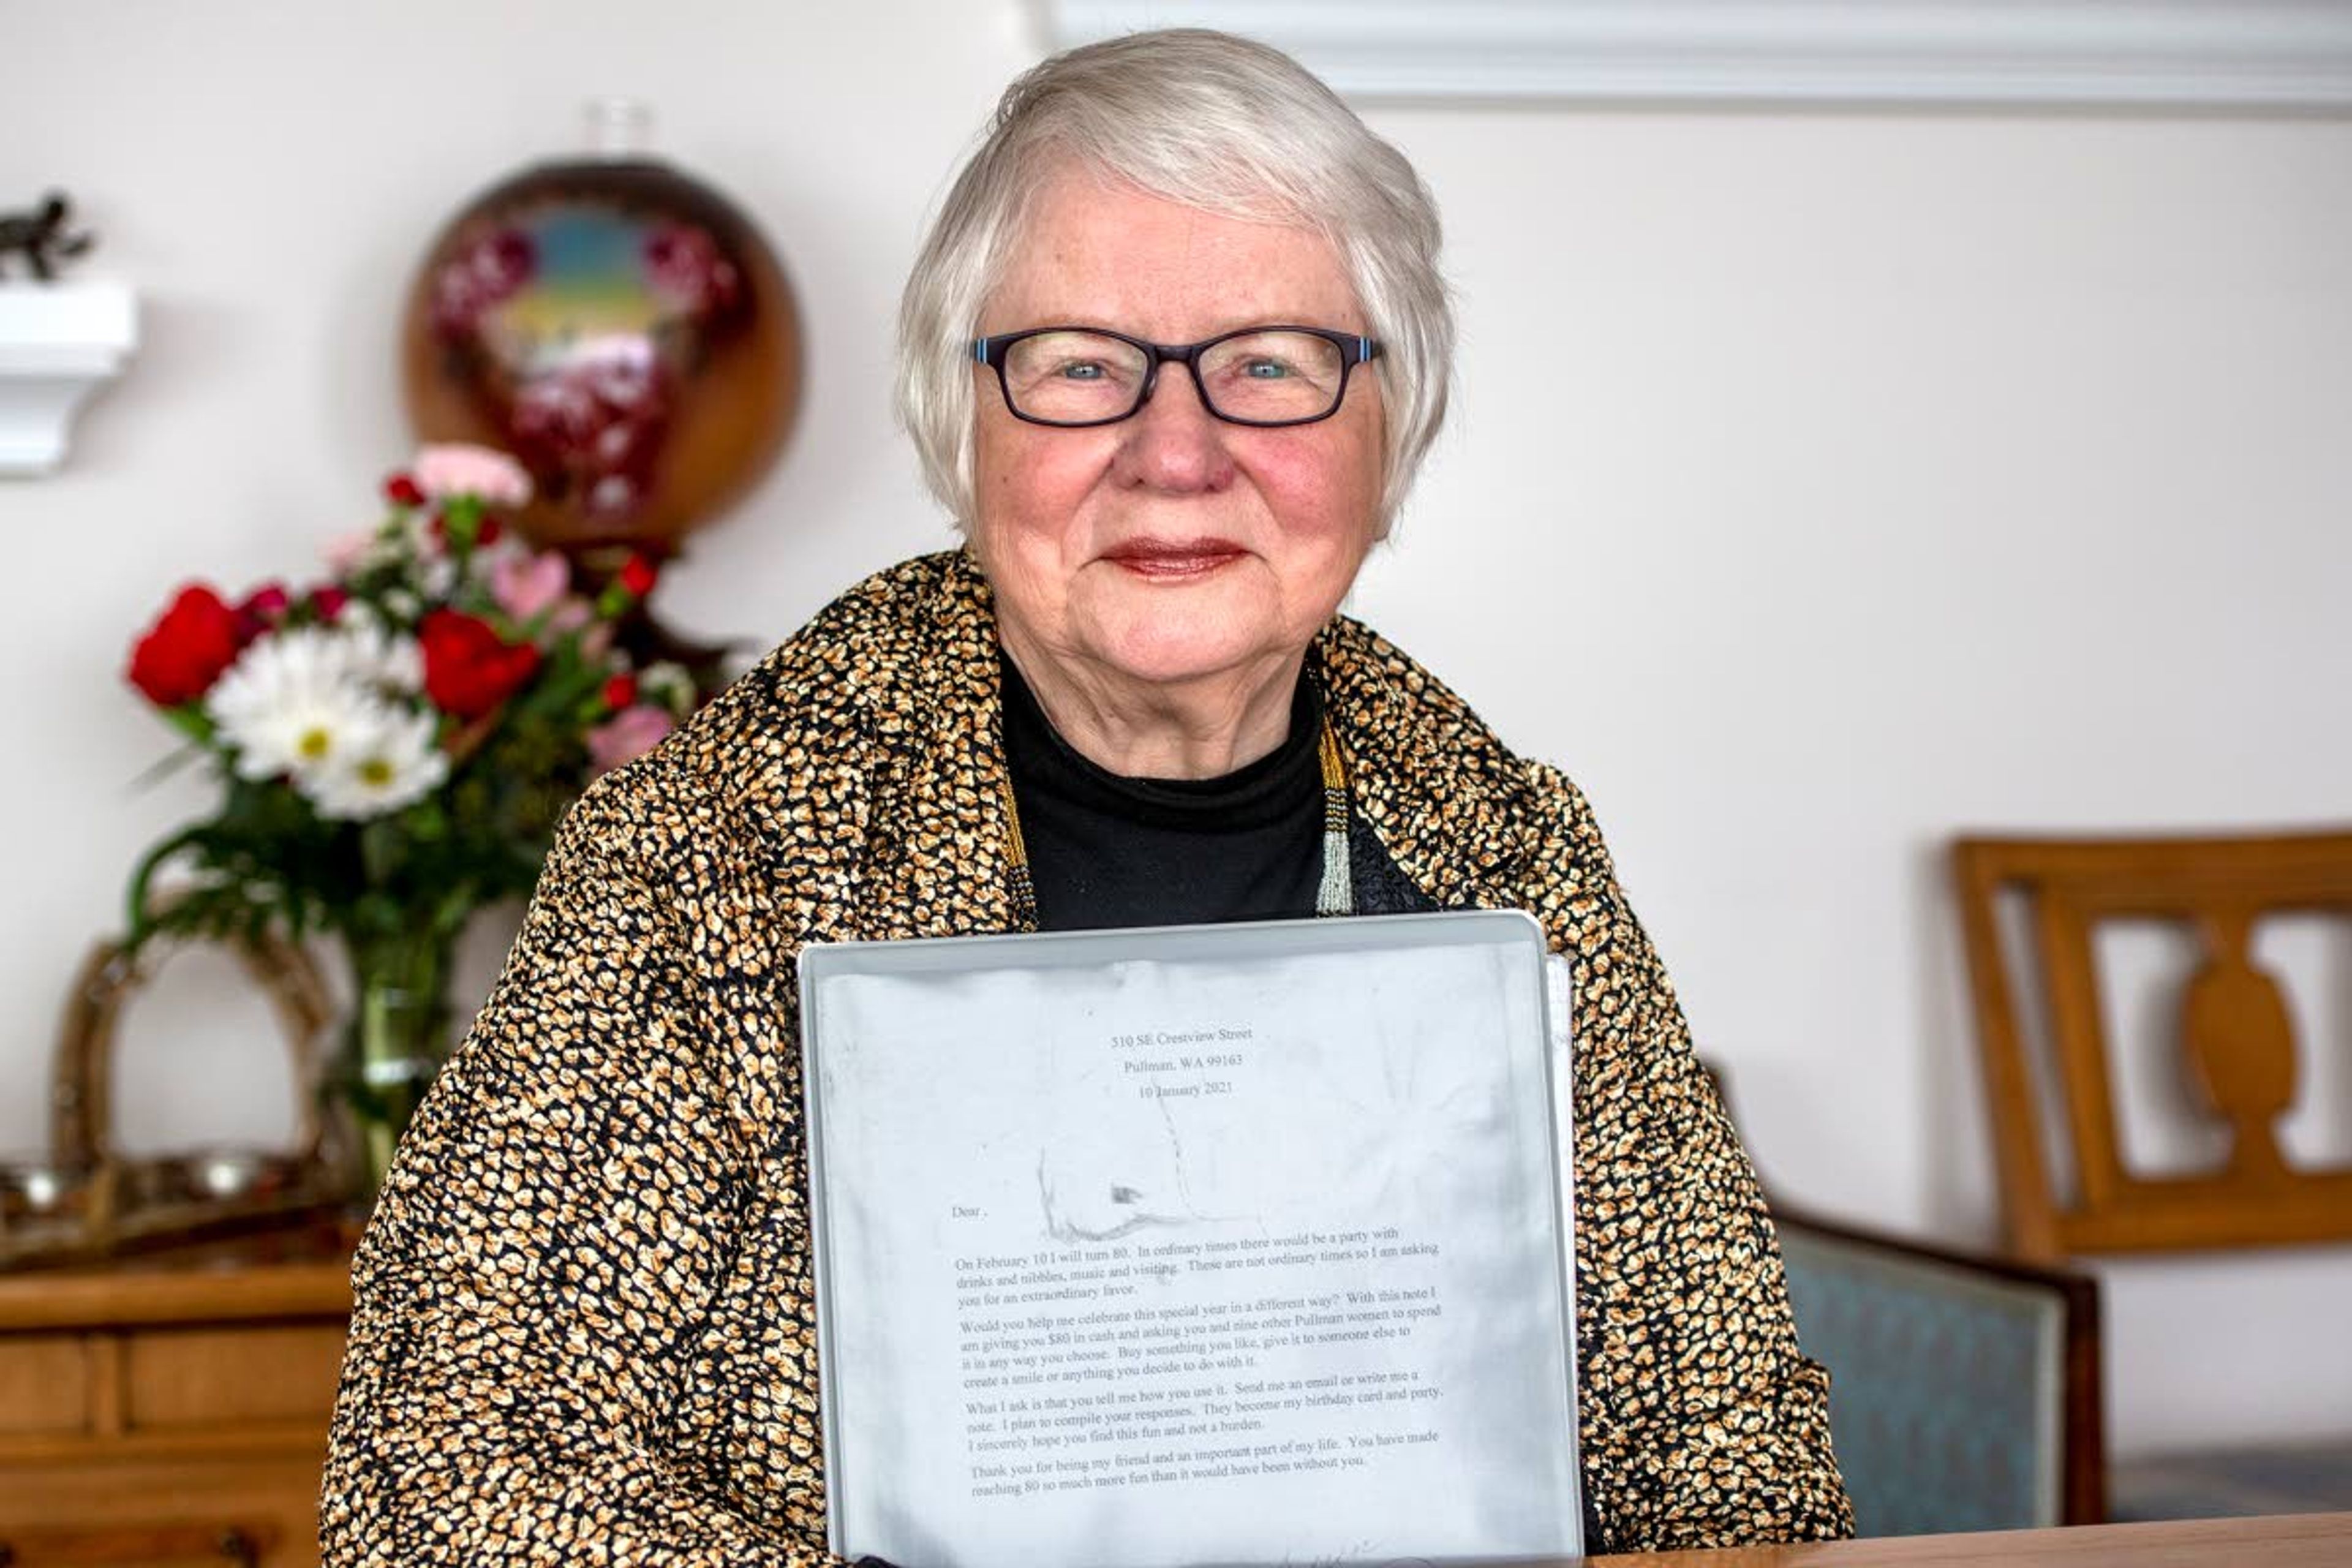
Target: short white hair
[(1214, 122)]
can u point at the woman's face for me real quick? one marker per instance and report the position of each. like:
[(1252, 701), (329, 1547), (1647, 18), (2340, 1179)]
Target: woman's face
[(1171, 547)]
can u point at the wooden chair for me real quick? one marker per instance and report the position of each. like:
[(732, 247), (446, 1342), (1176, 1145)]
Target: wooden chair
[(2235, 1037), (1964, 1389)]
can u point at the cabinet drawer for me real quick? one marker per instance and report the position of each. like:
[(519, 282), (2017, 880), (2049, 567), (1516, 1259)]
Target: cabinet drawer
[(214, 1377), (274, 1502), (45, 1386)]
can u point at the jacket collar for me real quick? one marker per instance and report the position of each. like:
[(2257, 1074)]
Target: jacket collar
[(940, 855), (1430, 781)]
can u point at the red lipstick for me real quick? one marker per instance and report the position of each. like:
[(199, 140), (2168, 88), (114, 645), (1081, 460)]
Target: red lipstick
[(1174, 558)]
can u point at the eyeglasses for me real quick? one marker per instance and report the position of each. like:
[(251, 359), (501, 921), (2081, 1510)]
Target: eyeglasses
[(1077, 376)]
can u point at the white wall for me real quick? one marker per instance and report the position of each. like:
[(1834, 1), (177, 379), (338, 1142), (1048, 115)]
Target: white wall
[(1820, 485)]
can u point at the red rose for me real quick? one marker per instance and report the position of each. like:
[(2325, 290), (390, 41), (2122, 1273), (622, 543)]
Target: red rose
[(488, 533), (185, 651), (468, 667), (260, 610), (268, 602), (638, 576), (401, 491), (329, 600), (620, 691)]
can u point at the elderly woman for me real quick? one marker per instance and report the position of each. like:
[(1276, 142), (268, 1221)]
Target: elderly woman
[(1172, 354)]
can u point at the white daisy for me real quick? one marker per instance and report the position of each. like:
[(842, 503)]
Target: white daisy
[(379, 659), (289, 705), (393, 762)]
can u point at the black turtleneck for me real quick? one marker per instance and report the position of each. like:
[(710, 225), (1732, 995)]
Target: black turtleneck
[(1105, 850)]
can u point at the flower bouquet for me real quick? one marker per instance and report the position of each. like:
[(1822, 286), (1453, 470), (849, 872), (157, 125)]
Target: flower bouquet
[(395, 744)]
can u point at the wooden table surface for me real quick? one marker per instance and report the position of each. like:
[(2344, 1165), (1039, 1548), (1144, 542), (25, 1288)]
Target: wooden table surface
[(2292, 1540)]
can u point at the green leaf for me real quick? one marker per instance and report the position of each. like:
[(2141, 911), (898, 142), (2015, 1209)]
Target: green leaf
[(191, 720)]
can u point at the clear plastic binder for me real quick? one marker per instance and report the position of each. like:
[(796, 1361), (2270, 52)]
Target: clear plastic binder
[(1204, 1245)]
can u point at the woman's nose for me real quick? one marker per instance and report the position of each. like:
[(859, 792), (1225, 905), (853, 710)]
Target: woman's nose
[(1173, 443)]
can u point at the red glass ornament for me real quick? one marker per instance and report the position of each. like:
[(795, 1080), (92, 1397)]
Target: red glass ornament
[(624, 331)]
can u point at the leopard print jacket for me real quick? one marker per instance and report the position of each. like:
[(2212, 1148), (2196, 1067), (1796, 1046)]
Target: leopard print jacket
[(583, 1329)]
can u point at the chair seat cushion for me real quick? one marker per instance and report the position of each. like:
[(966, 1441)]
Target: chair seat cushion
[(2302, 1478)]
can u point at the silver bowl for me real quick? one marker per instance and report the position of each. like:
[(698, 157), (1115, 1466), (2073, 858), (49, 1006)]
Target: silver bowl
[(37, 1195)]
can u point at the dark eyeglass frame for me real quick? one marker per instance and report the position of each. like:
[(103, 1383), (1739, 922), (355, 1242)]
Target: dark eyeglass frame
[(1354, 350)]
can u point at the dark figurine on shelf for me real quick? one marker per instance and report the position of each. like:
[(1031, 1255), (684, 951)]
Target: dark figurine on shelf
[(39, 237)]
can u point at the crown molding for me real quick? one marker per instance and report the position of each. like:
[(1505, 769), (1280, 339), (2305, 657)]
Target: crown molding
[(2221, 53)]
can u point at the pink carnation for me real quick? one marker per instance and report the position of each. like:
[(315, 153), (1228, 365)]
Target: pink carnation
[(456, 469), (528, 585), (631, 733), (344, 551)]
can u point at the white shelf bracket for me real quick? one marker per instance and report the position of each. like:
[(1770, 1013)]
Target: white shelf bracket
[(58, 345)]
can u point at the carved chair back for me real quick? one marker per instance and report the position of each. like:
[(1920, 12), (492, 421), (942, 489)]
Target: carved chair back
[(2236, 1037)]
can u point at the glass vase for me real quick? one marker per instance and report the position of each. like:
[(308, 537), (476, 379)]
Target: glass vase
[(395, 1041)]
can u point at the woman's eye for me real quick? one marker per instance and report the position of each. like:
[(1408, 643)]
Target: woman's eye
[(1266, 369), (1081, 370)]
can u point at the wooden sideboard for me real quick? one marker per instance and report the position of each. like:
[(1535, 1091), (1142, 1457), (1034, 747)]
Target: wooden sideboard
[(183, 1394)]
